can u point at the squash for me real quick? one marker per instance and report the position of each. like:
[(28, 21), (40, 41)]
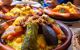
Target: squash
[(30, 41)]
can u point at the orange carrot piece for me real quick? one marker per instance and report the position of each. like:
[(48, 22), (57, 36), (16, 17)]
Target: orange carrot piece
[(58, 30)]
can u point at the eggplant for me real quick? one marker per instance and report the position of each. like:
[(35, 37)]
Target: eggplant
[(50, 35)]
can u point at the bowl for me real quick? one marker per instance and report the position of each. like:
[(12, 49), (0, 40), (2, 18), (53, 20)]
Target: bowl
[(65, 29), (68, 33)]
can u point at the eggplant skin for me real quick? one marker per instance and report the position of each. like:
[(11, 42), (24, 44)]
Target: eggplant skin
[(30, 41), (50, 35)]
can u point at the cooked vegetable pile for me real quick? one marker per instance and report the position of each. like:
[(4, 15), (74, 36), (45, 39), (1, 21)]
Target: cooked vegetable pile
[(33, 33), (19, 10), (30, 31), (66, 8)]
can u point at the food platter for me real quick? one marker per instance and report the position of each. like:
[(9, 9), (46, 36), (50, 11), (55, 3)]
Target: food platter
[(64, 12), (44, 18), (25, 17)]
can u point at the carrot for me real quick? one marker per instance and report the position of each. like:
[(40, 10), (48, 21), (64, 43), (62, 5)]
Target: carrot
[(55, 10), (5, 25), (58, 30), (5, 10), (10, 37), (11, 32), (8, 17)]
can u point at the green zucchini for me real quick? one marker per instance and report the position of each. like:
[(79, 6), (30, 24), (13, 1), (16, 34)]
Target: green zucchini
[(30, 41)]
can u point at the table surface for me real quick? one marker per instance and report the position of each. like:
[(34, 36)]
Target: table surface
[(75, 27), (70, 48)]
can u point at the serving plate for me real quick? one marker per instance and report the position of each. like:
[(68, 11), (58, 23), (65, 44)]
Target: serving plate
[(65, 12), (63, 17), (32, 3)]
